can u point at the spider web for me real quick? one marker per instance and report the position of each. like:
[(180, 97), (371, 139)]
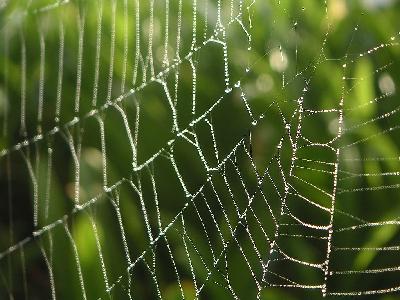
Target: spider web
[(120, 146)]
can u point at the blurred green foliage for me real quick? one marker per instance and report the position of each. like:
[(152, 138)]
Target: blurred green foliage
[(318, 51)]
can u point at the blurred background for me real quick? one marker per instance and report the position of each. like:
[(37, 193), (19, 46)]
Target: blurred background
[(199, 149)]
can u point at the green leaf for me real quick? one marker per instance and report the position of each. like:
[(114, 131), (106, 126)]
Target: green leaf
[(364, 90)]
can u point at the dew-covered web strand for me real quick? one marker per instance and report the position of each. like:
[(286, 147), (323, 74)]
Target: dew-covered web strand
[(73, 140), (75, 152), (294, 144), (123, 97)]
